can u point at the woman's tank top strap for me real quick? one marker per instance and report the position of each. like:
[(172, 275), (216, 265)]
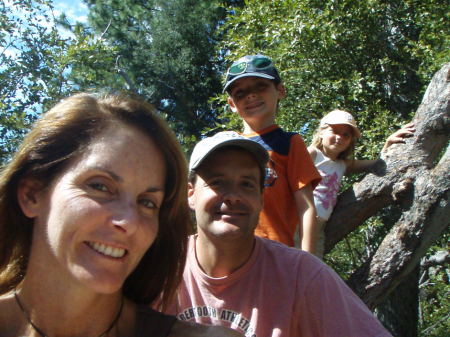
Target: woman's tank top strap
[(151, 323)]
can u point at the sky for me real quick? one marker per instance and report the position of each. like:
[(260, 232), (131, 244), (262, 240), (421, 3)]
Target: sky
[(75, 10)]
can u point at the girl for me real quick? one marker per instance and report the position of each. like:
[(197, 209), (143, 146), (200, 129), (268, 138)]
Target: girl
[(332, 145)]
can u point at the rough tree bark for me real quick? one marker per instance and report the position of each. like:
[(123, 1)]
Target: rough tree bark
[(406, 175)]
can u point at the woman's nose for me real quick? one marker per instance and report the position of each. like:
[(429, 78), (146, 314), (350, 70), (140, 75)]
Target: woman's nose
[(126, 217)]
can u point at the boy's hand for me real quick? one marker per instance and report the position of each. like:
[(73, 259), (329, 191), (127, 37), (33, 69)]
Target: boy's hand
[(400, 135)]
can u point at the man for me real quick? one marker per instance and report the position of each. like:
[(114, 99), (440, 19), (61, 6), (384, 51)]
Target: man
[(257, 286)]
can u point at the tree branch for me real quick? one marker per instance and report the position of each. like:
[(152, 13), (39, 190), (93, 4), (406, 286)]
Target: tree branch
[(123, 73)]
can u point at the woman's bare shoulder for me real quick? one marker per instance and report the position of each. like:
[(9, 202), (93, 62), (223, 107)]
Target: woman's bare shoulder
[(188, 329), (9, 312)]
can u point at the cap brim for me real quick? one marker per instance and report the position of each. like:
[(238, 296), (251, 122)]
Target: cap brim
[(357, 132), (260, 153), (254, 74)]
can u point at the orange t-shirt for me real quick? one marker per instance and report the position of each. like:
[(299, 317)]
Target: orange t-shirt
[(290, 168)]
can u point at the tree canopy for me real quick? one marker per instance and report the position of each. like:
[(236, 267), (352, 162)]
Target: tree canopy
[(168, 49), (36, 64)]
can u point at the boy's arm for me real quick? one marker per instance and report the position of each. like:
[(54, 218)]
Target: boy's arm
[(309, 232), (361, 166)]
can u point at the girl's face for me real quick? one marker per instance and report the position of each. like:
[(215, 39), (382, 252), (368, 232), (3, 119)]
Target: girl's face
[(93, 225), (336, 138)]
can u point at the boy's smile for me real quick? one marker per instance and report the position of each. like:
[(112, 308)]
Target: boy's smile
[(255, 99)]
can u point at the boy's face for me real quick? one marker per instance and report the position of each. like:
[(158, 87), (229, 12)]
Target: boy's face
[(255, 97)]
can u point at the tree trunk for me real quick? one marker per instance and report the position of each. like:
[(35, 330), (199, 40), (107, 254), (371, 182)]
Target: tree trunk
[(406, 175), (399, 312)]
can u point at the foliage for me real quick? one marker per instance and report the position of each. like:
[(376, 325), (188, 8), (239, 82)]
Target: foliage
[(167, 48), (35, 65), (435, 294), (373, 60)]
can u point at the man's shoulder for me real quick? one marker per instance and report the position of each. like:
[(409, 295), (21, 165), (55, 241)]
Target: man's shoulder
[(293, 263), (284, 254)]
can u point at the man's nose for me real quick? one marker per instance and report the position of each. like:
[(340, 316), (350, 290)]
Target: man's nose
[(232, 194)]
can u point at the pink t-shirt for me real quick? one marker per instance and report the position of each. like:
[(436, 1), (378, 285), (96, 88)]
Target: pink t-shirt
[(278, 292)]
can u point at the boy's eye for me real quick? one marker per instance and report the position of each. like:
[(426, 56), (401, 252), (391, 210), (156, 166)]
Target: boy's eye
[(239, 93), (261, 86)]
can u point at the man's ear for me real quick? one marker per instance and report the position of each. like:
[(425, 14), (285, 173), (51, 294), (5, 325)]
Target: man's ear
[(191, 196), (231, 103), (27, 196), (262, 197)]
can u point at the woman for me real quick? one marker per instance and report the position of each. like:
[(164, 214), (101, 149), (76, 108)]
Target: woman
[(93, 224)]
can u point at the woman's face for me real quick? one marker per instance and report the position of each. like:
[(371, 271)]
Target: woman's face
[(98, 218)]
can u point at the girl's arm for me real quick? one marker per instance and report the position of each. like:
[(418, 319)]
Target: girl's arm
[(358, 166), (400, 135), (361, 166), (312, 152)]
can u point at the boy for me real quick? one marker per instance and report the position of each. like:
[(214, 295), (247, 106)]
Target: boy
[(254, 89)]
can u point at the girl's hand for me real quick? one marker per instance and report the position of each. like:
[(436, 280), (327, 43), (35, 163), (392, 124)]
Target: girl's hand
[(400, 135)]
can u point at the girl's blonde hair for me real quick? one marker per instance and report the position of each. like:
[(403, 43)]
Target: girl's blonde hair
[(349, 151)]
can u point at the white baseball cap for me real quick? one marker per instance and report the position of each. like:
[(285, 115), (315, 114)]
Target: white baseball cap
[(340, 117), (227, 138)]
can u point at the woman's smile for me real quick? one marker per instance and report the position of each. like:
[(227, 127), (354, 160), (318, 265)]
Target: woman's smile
[(107, 250)]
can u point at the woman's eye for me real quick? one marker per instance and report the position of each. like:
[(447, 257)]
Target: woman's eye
[(147, 203), (98, 187)]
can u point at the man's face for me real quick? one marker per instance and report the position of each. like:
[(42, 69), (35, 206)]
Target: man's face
[(227, 197)]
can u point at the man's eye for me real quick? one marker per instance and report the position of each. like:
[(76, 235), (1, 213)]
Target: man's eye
[(215, 183), (248, 184)]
